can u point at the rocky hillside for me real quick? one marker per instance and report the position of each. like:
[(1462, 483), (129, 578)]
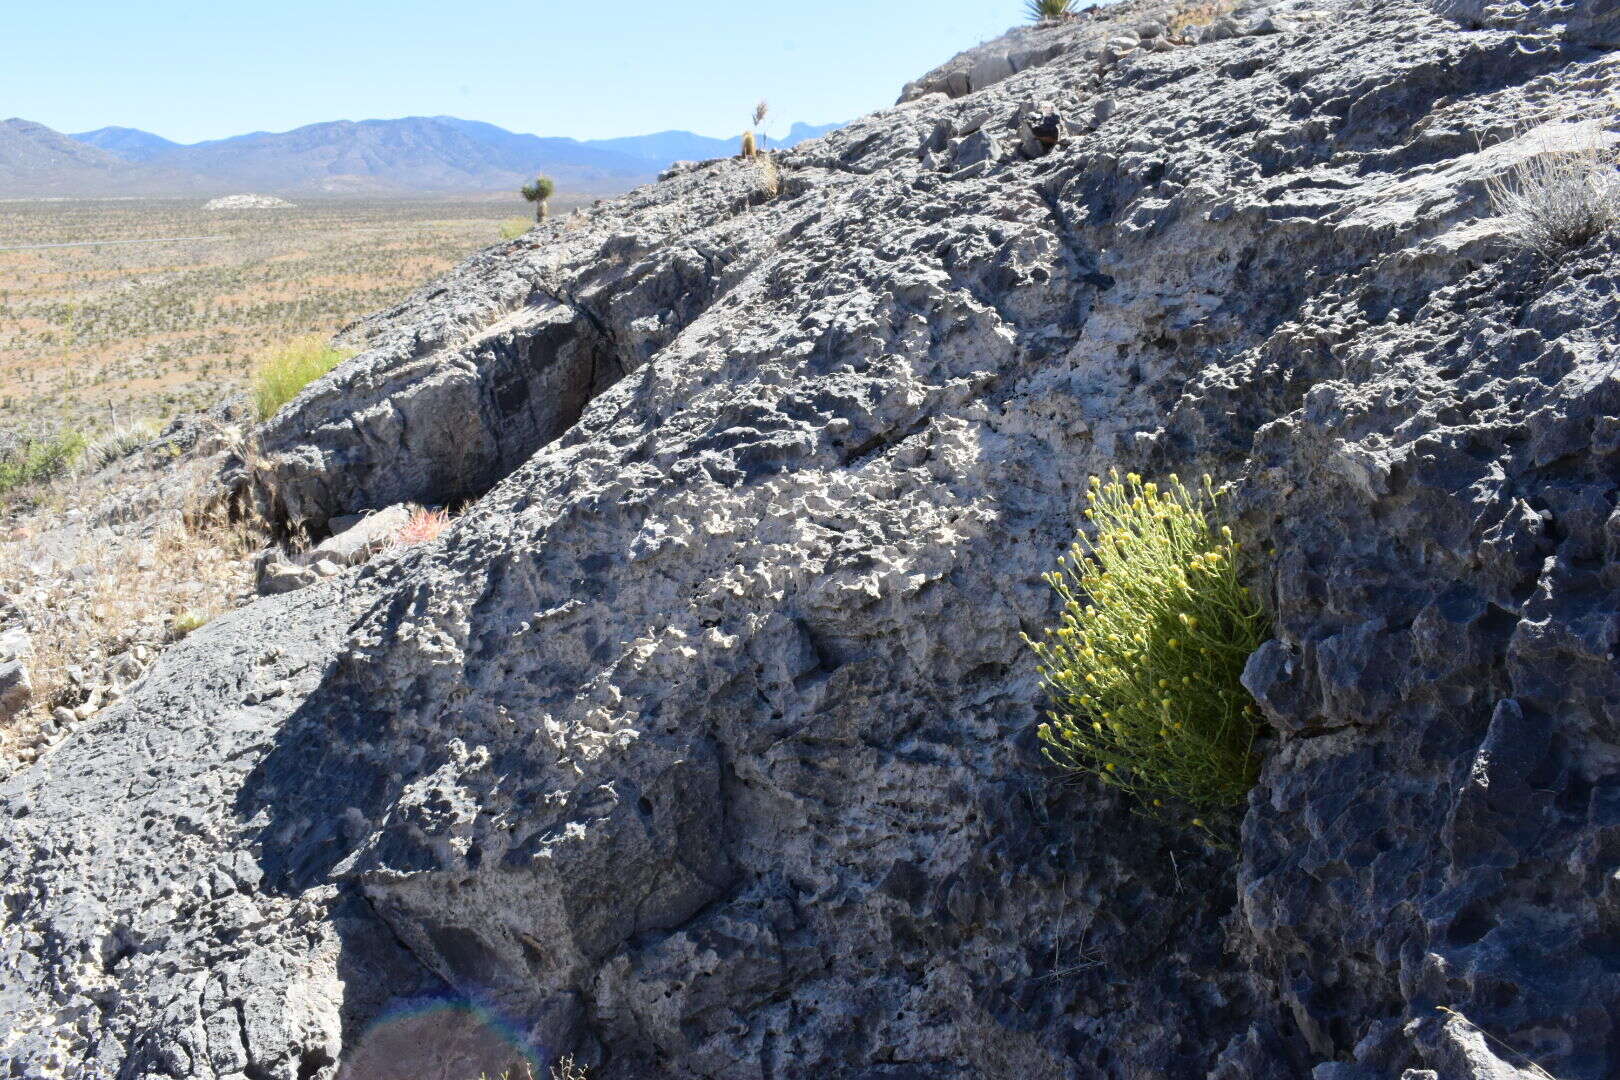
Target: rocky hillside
[(701, 744)]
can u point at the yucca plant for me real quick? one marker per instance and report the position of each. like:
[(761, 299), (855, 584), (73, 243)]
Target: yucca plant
[(1142, 671), (1047, 11), (538, 193)]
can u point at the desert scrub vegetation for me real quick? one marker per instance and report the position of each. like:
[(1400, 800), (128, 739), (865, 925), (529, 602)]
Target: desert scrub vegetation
[(1048, 11), (32, 461), (1191, 15), (169, 328), (1558, 200), (288, 369), (1142, 670), (512, 228)]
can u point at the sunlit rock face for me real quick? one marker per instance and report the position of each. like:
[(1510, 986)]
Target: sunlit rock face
[(701, 744)]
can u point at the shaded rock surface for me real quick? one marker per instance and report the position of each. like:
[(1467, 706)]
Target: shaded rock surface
[(701, 744)]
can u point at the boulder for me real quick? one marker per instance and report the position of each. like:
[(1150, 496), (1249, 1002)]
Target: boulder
[(355, 538)]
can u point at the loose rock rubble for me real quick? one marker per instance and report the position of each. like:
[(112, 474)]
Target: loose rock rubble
[(701, 744)]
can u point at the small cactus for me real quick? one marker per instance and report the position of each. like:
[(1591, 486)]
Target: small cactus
[(749, 148)]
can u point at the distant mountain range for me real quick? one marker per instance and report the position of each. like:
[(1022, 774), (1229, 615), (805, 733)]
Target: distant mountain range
[(412, 155)]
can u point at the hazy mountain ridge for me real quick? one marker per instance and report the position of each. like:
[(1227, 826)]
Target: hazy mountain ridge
[(130, 144), (36, 161), (406, 155), (668, 146)]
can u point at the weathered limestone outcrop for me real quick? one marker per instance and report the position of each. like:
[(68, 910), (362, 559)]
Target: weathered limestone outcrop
[(701, 745)]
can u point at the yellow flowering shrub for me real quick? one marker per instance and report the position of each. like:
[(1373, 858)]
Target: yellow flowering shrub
[(1142, 670)]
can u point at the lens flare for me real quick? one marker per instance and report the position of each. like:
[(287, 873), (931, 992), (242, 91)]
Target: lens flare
[(442, 1040)]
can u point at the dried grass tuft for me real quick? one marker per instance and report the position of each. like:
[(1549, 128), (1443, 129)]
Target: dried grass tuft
[(1559, 199)]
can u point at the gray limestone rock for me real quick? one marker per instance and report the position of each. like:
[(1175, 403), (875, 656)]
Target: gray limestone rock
[(702, 746)]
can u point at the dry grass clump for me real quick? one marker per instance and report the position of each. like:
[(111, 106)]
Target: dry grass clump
[(564, 1068), (769, 180), (100, 606), (512, 228), (288, 369), (567, 1069), (1143, 669), (1558, 200), (119, 443), (1192, 15)]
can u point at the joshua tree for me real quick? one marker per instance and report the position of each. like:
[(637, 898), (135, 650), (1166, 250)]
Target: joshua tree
[(537, 193)]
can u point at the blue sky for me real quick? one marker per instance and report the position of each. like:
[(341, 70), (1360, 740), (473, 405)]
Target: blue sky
[(191, 70)]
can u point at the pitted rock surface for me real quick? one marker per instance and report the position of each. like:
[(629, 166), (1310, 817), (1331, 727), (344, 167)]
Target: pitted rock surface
[(701, 745)]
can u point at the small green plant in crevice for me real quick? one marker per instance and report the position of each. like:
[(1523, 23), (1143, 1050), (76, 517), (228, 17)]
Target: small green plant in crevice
[(1049, 11), (1142, 670), (290, 368), (512, 228), (184, 622)]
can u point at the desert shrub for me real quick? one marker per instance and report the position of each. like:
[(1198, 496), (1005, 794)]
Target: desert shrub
[(1558, 200), (286, 370), (35, 461), (1142, 672), (512, 228), (1043, 11)]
